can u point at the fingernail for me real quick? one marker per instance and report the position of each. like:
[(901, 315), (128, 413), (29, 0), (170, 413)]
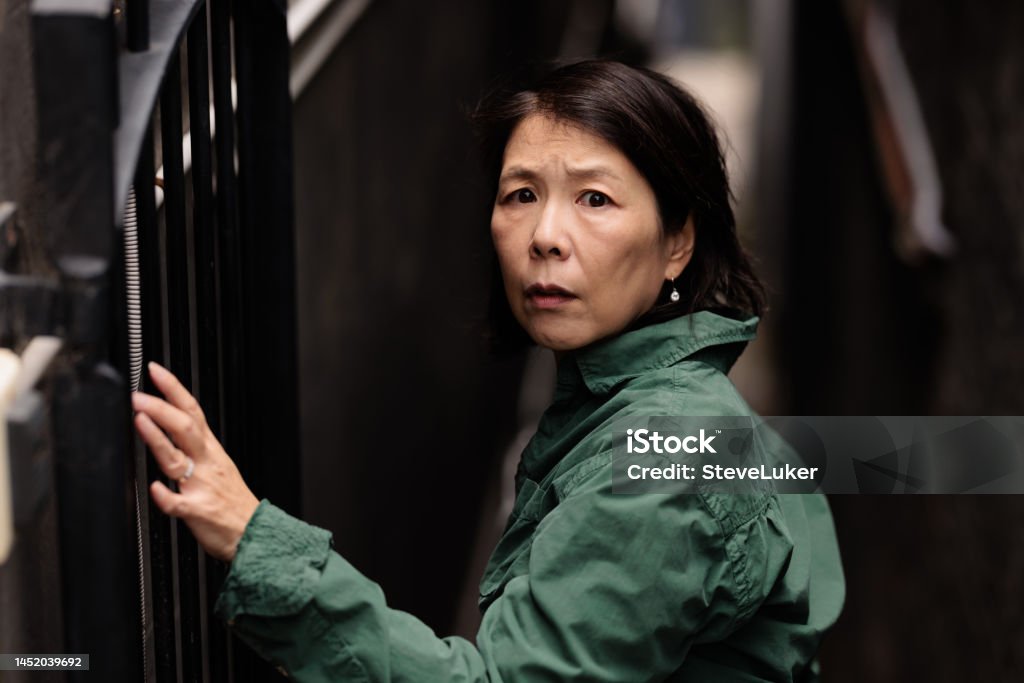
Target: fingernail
[(154, 366)]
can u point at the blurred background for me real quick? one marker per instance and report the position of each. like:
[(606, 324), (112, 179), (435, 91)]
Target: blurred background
[(877, 156), (876, 149)]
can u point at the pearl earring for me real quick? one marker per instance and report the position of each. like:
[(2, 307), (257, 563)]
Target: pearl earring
[(674, 296)]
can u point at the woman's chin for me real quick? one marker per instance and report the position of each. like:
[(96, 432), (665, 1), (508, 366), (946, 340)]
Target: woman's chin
[(561, 337)]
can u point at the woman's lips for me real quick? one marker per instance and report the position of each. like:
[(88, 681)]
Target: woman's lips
[(546, 296)]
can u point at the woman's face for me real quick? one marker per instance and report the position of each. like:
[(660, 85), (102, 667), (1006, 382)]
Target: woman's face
[(578, 235)]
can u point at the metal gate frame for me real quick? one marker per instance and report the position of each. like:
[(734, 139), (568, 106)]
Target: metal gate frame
[(213, 300)]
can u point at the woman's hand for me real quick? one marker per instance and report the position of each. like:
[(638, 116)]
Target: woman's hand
[(213, 499)]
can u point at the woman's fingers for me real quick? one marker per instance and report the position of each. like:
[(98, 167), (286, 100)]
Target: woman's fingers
[(183, 428), (169, 502), (172, 461), (176, 393), (216, 504)]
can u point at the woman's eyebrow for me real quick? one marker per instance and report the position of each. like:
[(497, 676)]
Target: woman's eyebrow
[(517, 173), (577, 173), (591, 172)]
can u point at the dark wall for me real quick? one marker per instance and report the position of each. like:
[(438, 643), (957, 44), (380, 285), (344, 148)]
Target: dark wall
[(934, 582), (403, 411), (968, 64)]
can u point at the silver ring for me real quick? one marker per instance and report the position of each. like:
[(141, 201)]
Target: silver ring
[(188, 471)]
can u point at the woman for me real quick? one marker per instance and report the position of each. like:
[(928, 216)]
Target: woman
[(618, 250)]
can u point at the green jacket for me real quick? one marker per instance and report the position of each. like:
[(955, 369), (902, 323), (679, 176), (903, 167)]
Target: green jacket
[(585, 584)]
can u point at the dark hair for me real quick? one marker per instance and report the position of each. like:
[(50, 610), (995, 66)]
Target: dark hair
[(670, 139)]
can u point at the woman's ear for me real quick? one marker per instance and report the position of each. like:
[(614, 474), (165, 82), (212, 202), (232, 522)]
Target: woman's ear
[(679, 248)]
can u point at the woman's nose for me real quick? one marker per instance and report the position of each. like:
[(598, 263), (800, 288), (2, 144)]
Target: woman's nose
[(551, 236)]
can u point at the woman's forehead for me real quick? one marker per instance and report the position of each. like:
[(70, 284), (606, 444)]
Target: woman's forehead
[(542, 143)]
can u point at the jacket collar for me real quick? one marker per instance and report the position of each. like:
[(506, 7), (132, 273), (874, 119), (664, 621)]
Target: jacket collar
[(606, 364)]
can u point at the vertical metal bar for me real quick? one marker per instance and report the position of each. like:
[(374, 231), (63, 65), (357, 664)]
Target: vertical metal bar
[(176, 228), (179, 338), (207, 310), (266, 241), (137, 24), (152, 298), (232, 398), (120, 360), (266, 219), (204, 212), (227, 219), (76, 103)]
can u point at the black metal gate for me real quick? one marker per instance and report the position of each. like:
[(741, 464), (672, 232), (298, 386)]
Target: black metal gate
[(164, 137)]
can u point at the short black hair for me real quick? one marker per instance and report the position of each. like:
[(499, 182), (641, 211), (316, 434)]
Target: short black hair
[(666, 133)]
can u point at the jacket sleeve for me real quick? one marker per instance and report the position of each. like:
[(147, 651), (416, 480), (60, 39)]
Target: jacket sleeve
[(617, 589)]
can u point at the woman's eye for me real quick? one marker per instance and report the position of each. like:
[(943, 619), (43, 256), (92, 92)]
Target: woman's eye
[(523, 196), (595, 199)]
